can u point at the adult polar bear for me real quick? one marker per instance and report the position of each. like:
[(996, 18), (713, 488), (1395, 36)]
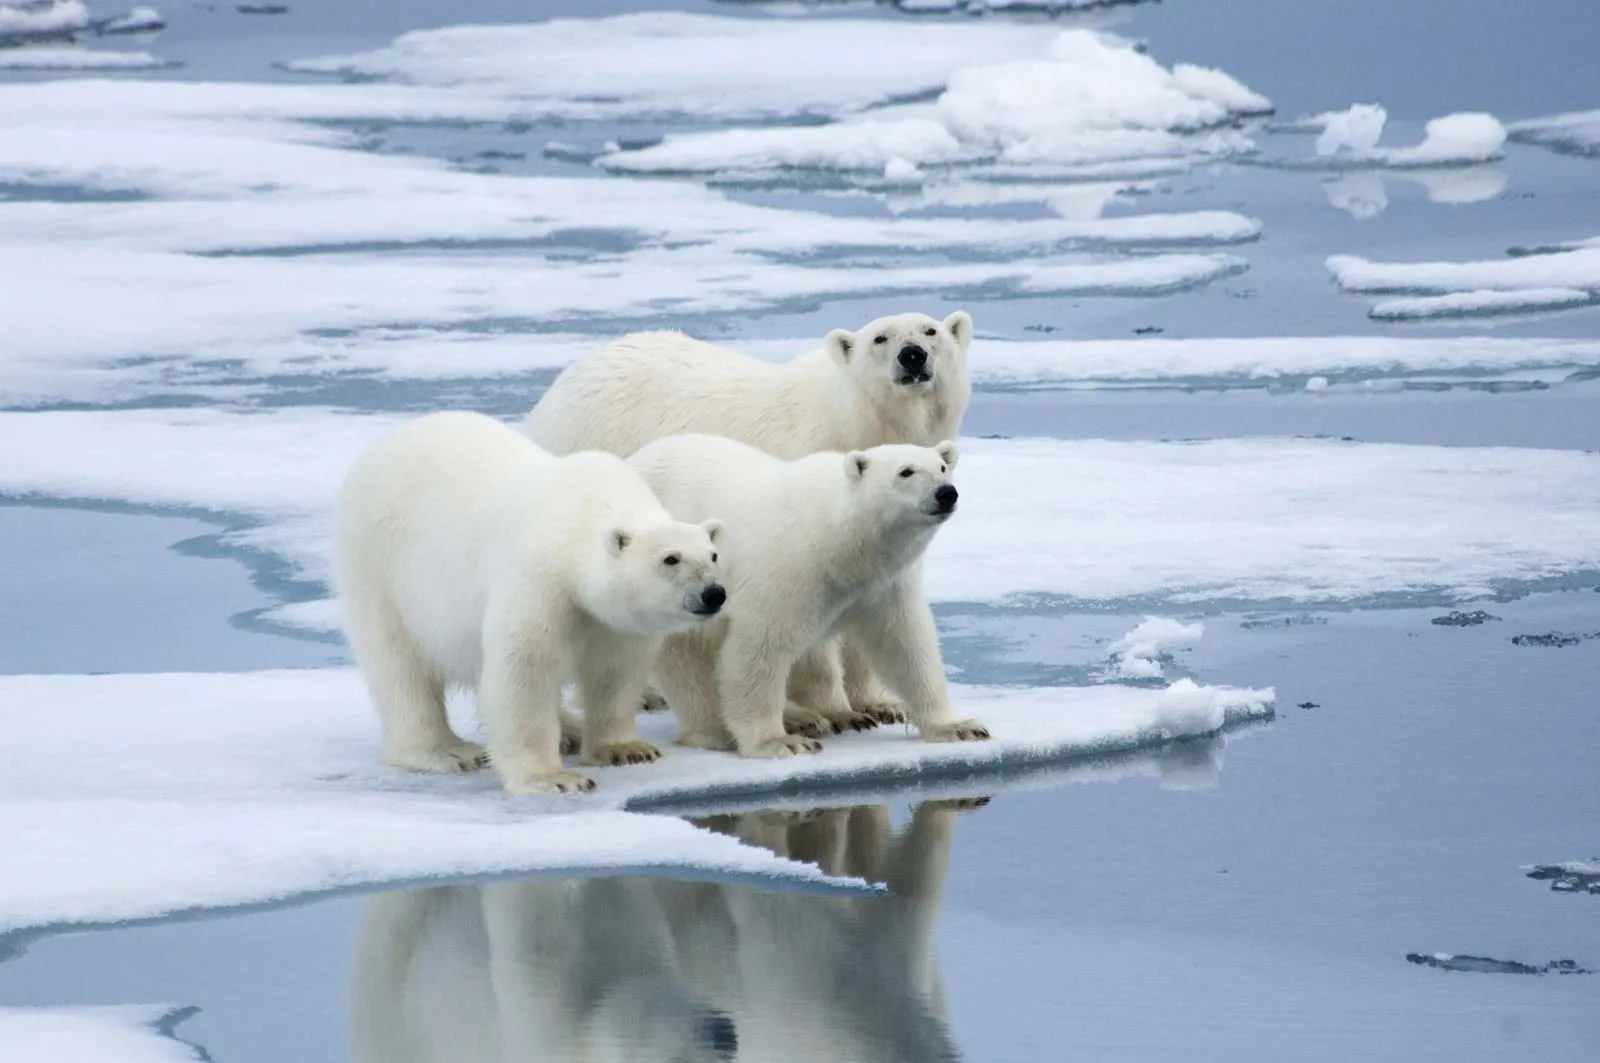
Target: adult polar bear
[(829, 544), (467, 556), (899, 379)]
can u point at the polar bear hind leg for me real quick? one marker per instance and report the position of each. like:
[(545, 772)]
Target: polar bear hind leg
[(409, 697)]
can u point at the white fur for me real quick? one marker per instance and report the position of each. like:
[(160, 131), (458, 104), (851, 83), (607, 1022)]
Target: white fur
[(842, 397), (847, 395), (469, 557), (828, 544)]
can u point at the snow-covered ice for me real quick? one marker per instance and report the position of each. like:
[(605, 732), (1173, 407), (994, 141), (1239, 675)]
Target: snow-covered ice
[(70, 58), (1350, 137), (1481, 302), (1514, 284), (167, 793), (1050, 521), (34, 21), (138, 20), (1137, 655), (684, 64), (127, 1033), (1575, 133)]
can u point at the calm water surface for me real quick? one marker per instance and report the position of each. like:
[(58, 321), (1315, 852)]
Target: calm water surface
[(1253, 900)]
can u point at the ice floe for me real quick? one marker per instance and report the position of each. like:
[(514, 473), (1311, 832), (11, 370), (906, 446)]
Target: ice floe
[(1139, 653), (42, 20), (265, 786), (128, 1033), (685, 64), (1086, 98), (1576, 133), (1573, 876), (68, 58), (1350, 138), (1519, 284), (1085, 523)]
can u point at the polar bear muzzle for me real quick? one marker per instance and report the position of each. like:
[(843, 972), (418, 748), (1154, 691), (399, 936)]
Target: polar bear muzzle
[(708, 602), (913, 367), (944, 501)]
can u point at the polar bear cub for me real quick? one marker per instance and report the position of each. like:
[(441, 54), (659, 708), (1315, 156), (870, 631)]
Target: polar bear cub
[(828, 544), (899, 379), (467, 556)]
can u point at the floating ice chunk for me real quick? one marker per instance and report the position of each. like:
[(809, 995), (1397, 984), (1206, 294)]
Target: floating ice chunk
[(1574, 876), (1482, 303), (1094, 98), (1357, 130), (690, 64), (1576, 133), (1150, 525), (202, 791), (862, 145), (77, 59), (132, 1033), (1317, 384), (1454, 139), (1138, 653), (1520, 284), (138, 20), (42, 21)]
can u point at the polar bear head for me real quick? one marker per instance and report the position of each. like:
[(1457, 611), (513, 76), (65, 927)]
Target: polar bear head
[(660, 577), (893, 358), (901, 485)]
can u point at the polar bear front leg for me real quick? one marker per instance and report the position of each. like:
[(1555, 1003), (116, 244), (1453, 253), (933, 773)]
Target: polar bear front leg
[(519, 701), (819, 705), (866, 695), (752, 686), (901, 642), (611, 676)]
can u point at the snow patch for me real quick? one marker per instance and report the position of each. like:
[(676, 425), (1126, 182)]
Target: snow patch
[(35, 21), (266, 786), (1139, 653), (132, 1033), (1481, 302)]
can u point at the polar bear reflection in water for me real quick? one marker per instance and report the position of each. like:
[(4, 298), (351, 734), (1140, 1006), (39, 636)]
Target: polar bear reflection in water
[(627, 968)]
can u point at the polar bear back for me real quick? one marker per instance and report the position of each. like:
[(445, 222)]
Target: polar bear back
[(652, 384)]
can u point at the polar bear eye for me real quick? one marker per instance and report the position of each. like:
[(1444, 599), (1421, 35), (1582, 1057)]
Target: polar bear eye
[(930, 332), (713, 559), (880, 339), (670, 559), (906, 472)]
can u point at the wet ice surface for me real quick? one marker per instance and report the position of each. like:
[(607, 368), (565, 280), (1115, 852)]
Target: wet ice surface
[(1257, 898)]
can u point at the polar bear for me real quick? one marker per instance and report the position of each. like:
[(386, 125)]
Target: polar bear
[(899, 379), (468, 556), (829, 544)]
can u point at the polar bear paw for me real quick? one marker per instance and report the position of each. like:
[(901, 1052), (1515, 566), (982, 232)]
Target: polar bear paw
[(722, 743), (956, 731), (787, 746), (653, 701), (880, 710), (627, 751), (799, 720), (556, 782), (457, 758)]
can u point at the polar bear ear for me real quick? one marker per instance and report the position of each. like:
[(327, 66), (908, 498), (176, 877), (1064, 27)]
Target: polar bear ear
[(855, 465), (713, 528), (618, 541), (960, 326), (949, 452), (841, 344)]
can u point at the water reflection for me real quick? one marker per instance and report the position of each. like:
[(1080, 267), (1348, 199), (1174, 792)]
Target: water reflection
[(657, 969)]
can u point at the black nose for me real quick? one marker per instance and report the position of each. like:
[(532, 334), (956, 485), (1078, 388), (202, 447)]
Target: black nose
[(712, 597), (913, 357), (946, 497)]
